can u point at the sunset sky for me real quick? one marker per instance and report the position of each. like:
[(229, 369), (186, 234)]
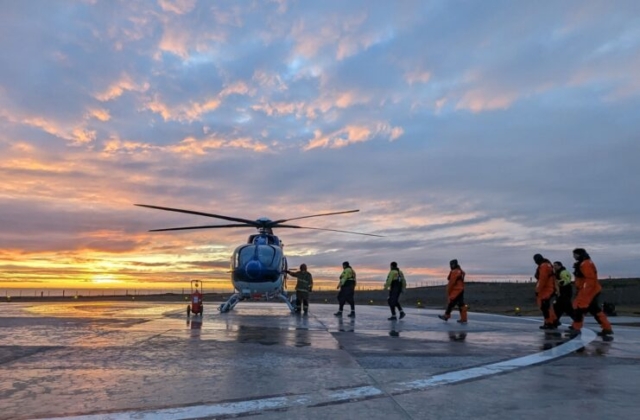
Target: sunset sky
[(485, 131)]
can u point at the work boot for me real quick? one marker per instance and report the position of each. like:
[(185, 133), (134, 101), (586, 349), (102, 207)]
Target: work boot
[(605, 332), (339, 313), (392, 318), (402, 314), (443, 317), (572, 333), (352, 314)]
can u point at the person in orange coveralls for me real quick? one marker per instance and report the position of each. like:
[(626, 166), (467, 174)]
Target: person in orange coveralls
[(589, 290), (455, 293), (545, 291)]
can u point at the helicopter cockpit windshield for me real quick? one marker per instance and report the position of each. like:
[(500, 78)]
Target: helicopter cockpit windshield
[(265, 254)]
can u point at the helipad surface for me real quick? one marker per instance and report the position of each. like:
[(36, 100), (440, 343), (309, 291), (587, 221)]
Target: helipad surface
[(116, 360)]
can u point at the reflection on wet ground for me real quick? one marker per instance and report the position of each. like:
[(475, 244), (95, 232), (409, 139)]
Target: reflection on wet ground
[(65, 358)]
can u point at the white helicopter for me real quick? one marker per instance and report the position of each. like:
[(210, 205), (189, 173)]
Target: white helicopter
[(258, 267)]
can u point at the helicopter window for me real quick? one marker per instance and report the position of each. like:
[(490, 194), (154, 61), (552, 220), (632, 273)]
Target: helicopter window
[(266, 255)]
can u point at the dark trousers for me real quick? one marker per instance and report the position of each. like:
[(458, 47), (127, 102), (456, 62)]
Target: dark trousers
[(346, 294), (545, 306), (302, 299), (458, 301), (594, 309), (563, 302), (394, 300)]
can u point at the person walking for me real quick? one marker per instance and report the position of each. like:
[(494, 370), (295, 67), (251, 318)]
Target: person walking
[(588, 290), (545, 291), (347, 287), (563, 303), (455, 292), (396, 284), (304, 286)]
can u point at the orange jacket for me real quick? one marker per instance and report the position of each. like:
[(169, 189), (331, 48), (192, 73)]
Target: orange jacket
[(456, 283), (587, 284), (546, 281)]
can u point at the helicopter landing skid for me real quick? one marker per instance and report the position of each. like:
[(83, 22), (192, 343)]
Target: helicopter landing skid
[(237, 297), (230, 303), (286, 300)]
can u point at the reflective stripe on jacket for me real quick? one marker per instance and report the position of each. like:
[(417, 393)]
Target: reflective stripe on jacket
[(305, 281)]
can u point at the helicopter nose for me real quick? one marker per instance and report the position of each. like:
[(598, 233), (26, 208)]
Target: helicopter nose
[(253, 269)]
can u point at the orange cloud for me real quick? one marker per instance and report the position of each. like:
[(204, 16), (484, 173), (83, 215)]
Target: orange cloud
[(189, 112), (117, 88), (191, 146), (353, 134), (117, 146), (77, 135), (175, 41), (99, 114), (238, 88)]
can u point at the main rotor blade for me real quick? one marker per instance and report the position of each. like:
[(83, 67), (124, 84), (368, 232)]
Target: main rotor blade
[(315, 215), (202, 227), (199, 213), (330, 230)]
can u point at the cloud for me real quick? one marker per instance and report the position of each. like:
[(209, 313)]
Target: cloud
[(354, 134), (476, 131), (99, 114), (123, 84), (179, 7)]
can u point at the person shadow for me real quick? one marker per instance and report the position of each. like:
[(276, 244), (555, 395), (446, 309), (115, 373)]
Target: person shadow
[(457, 335), (349, 326)]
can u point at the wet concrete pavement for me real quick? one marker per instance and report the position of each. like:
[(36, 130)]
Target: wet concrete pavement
[(147, 361)]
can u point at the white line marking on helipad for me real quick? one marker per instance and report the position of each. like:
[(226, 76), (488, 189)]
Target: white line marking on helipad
[(569, 347), (344, 395)]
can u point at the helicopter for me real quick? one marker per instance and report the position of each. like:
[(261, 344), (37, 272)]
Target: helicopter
[(259, 266)]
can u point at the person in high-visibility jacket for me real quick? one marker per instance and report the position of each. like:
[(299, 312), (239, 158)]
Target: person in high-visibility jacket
[(347, 286), (304, 286), (546, 288), (588, 291), (455, 293), (396, 284), (563, 303)]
